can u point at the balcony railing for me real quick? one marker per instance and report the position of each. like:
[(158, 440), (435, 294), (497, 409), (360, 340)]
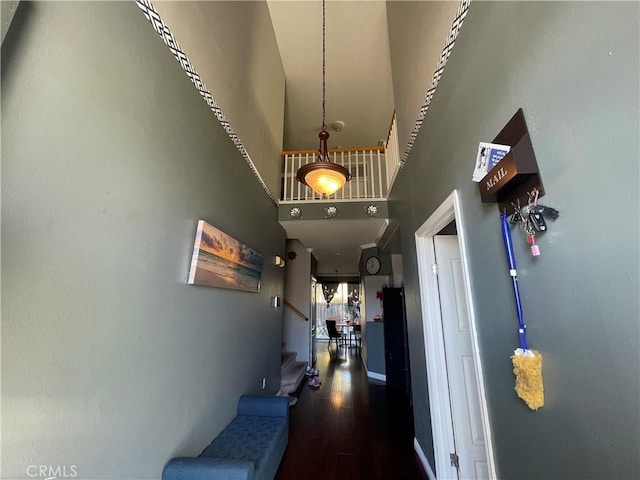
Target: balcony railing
[(373, 170), (367, 175)]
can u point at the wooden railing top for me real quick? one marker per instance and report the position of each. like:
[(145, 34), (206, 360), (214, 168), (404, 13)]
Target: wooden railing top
[(296, 311), (336, 150), (393, 117)]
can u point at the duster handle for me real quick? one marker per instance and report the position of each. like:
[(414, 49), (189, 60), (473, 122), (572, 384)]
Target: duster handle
[(508, 243), (511, 261)]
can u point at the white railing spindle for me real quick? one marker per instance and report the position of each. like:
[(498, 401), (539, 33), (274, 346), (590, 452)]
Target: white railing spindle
[(352, 175), (365, 173), (342, 163), (292, 178), (358, 175), (379, 175), (393, 158)]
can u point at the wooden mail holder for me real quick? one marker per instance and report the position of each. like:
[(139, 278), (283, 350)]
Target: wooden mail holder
[(517, 173)]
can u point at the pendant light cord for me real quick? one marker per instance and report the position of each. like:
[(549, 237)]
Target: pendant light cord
[(323, 176), (324, 67)]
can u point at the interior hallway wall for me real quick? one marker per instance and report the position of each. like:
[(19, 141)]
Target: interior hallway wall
[(110, 361), (415, 51), (297, 290), (233, 47), (573, 68)]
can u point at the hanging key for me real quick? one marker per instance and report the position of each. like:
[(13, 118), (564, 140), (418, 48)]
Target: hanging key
[(531, 239), (516, 217), (548, 212), (517, 214), (537, 220)]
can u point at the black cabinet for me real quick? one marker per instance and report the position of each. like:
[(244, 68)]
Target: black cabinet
[(396, 344)]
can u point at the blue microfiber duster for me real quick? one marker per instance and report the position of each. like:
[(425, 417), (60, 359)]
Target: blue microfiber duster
[(527, 363)]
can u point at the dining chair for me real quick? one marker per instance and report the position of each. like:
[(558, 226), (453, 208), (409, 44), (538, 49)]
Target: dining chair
[(334, 334)]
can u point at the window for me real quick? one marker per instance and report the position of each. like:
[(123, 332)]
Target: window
[(345, 305)]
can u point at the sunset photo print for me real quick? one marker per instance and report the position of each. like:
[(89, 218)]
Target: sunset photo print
[(222, 261)]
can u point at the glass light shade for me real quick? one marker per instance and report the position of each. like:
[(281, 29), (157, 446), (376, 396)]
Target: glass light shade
[(325, 181), (325, 178)]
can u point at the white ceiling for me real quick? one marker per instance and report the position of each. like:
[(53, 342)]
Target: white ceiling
[(359, 92), (336, 243), (359, 89)]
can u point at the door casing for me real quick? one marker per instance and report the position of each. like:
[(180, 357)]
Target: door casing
[(443, 437)]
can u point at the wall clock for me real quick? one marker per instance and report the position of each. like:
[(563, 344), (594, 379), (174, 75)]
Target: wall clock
[(372, 265)]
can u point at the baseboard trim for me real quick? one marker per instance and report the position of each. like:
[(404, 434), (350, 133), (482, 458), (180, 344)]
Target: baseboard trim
[(376, 376), (423, 459)]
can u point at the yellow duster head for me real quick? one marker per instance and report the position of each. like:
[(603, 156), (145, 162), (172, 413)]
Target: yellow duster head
[(527, 367)]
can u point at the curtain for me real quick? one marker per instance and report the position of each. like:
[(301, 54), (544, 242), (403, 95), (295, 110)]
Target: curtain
[(354, 301), (328, 291)]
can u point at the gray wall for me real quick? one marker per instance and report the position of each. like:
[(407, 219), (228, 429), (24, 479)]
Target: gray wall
[(7, 11), (233, 47), (418, 31), (573, 68), (110, 361), (297, 285), (373, 347)]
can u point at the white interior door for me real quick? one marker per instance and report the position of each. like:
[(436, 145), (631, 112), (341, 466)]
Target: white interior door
[(461, 371)]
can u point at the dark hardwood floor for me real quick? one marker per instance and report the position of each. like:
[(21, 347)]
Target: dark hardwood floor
[(350, 428)]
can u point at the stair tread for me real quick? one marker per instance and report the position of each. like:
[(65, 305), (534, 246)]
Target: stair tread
[(293, 367), (292, 376), (287, 358)]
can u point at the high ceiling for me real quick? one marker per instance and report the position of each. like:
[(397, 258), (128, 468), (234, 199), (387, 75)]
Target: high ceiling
[(359, 93), (359, 90), (369, 44)]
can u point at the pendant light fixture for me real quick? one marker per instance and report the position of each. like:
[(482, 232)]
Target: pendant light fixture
[(323, 176)]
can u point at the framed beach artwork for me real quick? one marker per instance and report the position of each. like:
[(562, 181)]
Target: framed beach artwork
[(222, 261)]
